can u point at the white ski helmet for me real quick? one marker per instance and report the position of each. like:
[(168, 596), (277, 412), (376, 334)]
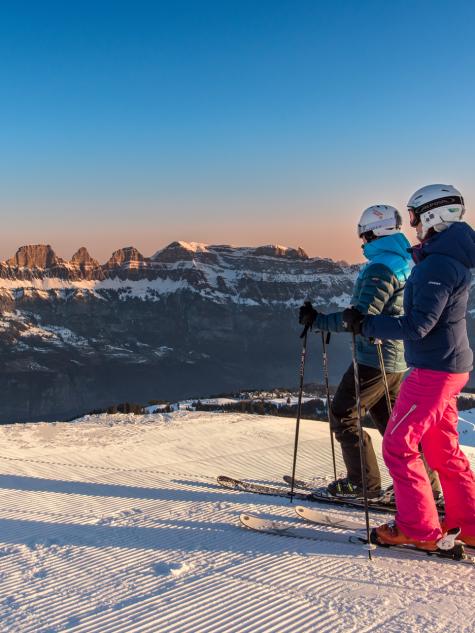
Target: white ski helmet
[(435, 206), (378, 221)]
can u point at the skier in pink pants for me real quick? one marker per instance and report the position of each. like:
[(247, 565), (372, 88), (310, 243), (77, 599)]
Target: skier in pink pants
[(434, 331), (426, 413)]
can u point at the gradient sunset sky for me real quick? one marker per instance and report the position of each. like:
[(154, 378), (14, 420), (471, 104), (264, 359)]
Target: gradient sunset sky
[(232, 121)]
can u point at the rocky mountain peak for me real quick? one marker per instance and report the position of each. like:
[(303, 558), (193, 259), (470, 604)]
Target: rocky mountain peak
[(276, 250), (179, 251), (125, 256), (82, 258), (35, 256)]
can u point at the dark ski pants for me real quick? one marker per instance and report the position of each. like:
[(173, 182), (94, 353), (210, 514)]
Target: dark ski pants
[(344, 421)]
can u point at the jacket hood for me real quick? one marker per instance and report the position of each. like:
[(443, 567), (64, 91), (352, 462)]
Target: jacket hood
[(396, 244), (458, 242)]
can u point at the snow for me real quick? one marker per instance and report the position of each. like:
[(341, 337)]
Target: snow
[(215, 401), (163, 350), (115, 523), (343, 301), (55, 335), (192, 247), (467, 427), (47, 283), (293, 400), (29, 326), (156, 408)]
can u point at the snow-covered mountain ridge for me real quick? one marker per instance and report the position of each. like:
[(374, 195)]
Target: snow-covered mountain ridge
[(77, 335), (221, 273)]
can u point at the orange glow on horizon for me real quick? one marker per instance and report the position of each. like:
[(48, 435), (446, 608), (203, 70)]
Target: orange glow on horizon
[(321, 242)]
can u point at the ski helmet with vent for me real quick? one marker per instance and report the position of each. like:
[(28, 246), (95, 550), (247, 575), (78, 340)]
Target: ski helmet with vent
[(379, 220), (435, 207)]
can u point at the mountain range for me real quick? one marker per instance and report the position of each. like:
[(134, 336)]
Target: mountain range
[(193, 318)]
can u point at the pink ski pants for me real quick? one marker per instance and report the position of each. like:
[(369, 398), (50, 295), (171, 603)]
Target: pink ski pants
[(426, 413)]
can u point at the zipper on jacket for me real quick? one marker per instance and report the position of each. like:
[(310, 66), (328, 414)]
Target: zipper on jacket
[(414, 406)]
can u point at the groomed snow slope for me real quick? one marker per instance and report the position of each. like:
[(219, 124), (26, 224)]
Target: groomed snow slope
[(115, 523)]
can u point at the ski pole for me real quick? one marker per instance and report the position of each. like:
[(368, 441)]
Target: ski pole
[(361, 442), (299, 407), (383, 373), (325, 342)]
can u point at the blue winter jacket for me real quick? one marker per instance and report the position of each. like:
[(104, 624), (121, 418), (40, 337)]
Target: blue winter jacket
[(378, 290), (434, 327)]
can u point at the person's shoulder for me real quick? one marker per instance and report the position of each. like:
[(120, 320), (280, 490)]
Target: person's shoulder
[(439, 267), (378, 272)]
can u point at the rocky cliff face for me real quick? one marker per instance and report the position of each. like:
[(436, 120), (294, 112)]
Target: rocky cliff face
[(85, 266), (39, 256), (189, 320)]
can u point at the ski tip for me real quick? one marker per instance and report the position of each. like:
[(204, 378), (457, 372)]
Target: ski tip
[(227, 482), (224, 478), (245, 520)]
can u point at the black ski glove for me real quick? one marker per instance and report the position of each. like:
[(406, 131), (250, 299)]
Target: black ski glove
[(352, 320), (307, 314)]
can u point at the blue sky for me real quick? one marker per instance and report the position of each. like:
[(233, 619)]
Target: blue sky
[(234, 121)]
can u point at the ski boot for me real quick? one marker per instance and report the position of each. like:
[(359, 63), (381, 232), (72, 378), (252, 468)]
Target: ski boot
[(345, 489), (448, 546), (389, 534)]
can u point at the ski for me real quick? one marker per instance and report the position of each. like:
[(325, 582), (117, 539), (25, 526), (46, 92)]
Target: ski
[(260, 489), (276, 528), (314, 497), (323, 518), (328, 520), (321, 495), (279, 528)]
